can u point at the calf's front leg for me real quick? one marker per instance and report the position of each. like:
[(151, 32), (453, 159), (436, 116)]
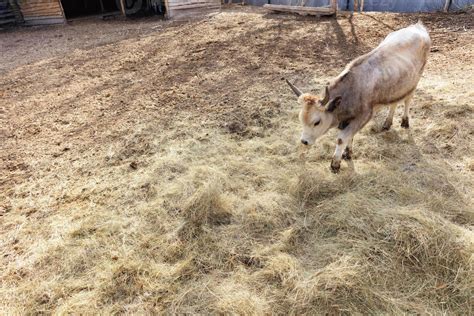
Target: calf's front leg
[(347, 155), (344, 139)]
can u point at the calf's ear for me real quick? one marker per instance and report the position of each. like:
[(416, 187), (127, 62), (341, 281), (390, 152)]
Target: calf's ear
[(333, 104)]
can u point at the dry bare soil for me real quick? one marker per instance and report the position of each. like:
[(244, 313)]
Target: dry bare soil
[(150, 166)]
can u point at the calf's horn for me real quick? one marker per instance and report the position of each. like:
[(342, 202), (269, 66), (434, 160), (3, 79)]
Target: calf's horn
[(295, 89), (326, 96)]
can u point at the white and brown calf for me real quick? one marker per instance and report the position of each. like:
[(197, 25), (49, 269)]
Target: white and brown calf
[(385, 76)]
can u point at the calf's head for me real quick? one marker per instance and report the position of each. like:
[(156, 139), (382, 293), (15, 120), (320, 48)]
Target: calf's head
[(316, 114)]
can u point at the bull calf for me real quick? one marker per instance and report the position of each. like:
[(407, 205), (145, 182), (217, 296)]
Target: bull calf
[(385, 76)]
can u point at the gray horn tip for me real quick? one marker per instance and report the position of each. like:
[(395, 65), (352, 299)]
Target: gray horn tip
[(294, 88)]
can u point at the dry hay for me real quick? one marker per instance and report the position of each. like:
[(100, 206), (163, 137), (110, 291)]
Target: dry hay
[(147, 174)]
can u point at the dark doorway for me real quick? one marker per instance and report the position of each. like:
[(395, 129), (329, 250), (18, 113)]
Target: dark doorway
[(77, 8)]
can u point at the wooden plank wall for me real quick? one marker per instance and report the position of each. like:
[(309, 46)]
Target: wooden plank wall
[(184, 8), (42, 11)]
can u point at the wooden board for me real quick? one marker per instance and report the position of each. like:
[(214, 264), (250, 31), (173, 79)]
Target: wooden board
[(42, 11), (301, 10), (197, 4), (44, 20), (191, 13), (189, 8)]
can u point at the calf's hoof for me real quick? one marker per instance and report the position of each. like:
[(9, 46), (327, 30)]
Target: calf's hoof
[(405, 122), (347, 155), (386, 126), (335, 166)]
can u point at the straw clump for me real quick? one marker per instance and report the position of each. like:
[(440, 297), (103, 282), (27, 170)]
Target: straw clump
[(172, 181)]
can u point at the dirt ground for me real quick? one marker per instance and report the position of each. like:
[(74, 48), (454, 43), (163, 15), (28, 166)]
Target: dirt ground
[(154, 166)]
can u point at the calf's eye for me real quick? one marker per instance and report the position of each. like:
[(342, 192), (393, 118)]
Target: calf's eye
[(316, 123)]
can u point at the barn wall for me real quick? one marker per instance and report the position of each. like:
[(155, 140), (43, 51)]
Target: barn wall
[(375, 5), (41, 11), (411, 5)]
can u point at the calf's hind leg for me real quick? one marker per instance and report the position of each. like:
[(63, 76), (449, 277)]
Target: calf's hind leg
[(389, 120), (405, 120)]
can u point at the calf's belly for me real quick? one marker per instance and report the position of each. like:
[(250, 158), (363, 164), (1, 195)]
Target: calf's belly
[(395, 90)]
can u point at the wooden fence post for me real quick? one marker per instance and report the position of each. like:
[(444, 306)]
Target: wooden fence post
[(122, 7), (447, 4)]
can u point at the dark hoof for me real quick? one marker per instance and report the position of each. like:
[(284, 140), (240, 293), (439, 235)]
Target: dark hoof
[(347, 155), (335, 166), (405, 123), (386, 126)]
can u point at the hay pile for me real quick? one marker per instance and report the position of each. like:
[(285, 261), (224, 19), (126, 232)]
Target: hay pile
[(150, 176)]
